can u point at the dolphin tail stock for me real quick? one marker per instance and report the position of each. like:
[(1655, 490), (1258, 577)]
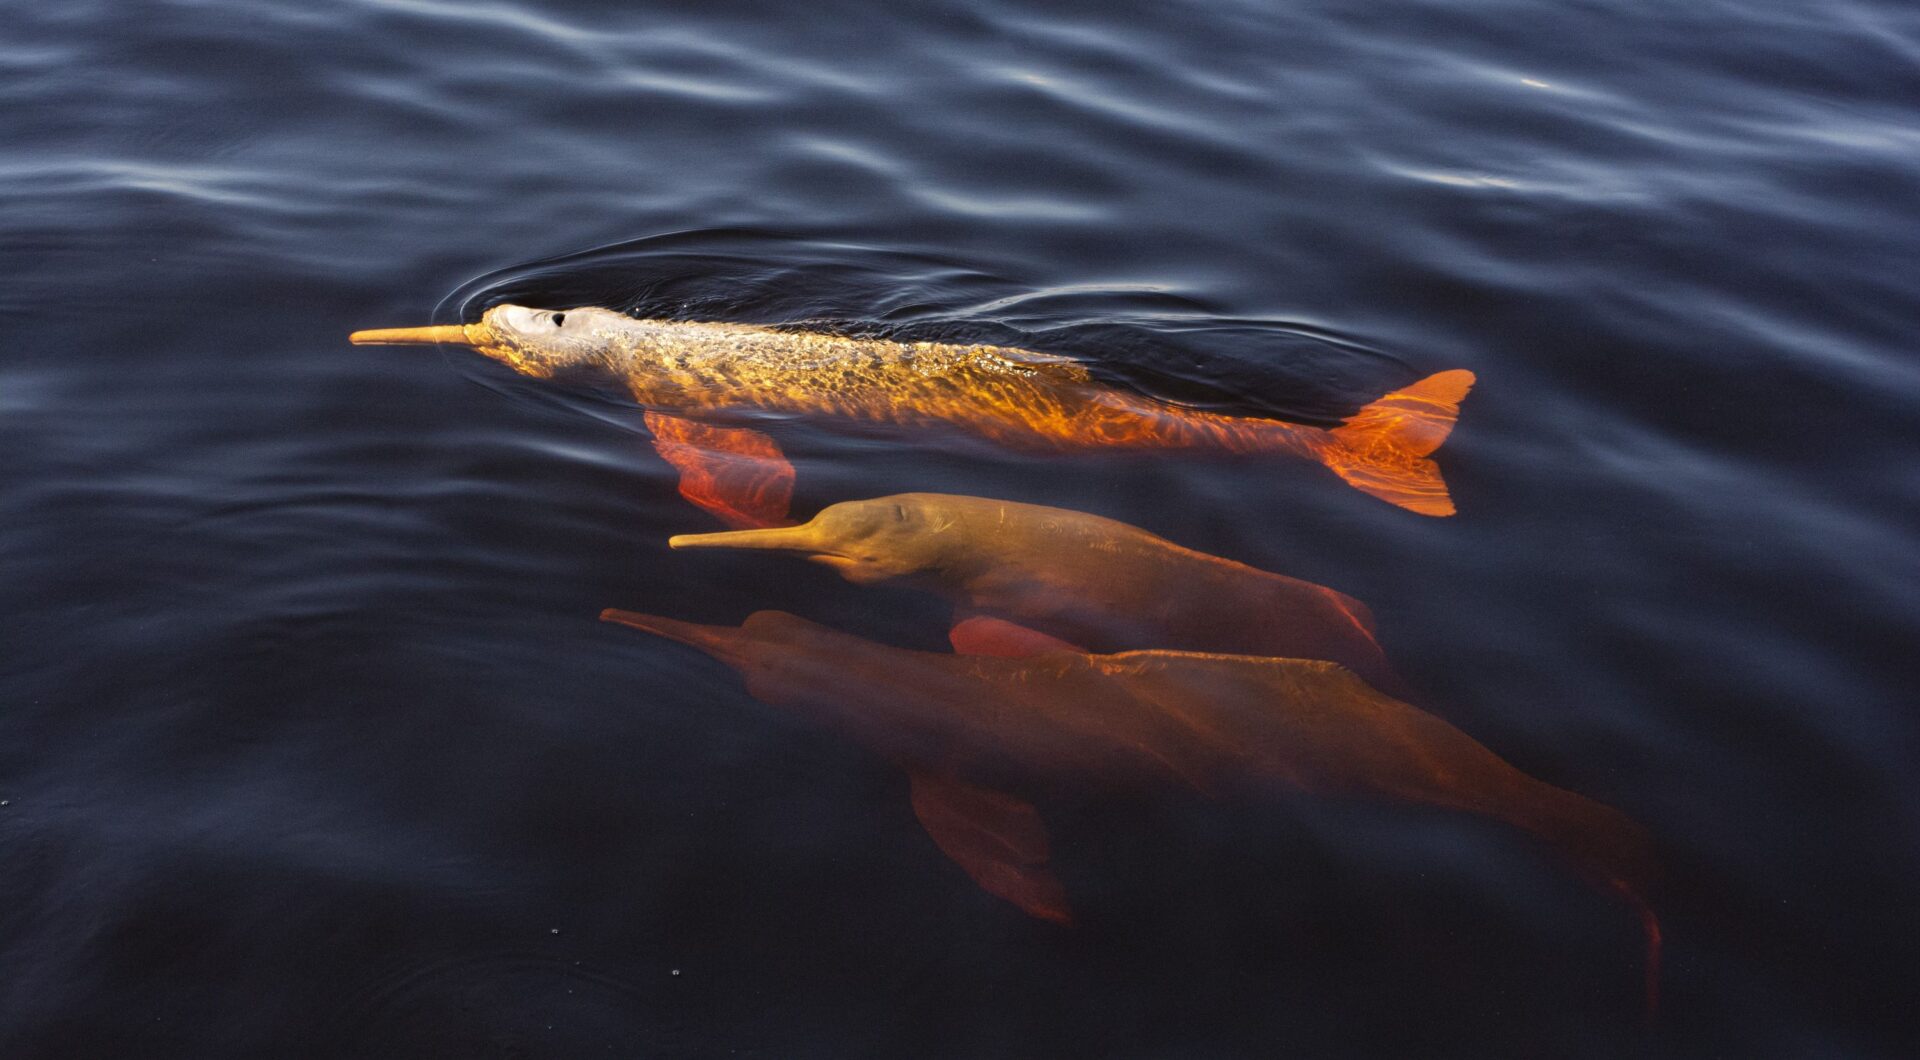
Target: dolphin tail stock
[(1615, 855), (1633, 886), (1650, 931), (1382, 450)]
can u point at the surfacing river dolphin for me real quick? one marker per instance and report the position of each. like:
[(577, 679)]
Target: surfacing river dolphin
[(1016, 398), (972, 730), (1085, 580)]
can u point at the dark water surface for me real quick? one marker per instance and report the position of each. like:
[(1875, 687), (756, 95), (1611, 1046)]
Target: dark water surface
[(310, 743)]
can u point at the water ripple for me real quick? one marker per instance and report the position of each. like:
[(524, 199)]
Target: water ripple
[(303, 656)]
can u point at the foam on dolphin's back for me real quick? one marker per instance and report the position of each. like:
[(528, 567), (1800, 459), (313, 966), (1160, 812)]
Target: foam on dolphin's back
[(1382, 449)]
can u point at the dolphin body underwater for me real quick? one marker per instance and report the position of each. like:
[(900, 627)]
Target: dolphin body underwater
[(971, 730), (1084, 580), (1016, 398)]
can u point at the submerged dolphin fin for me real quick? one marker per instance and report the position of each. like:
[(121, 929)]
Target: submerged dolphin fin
[(738, 475), (997, 838), (985, 635), (1383, 448)]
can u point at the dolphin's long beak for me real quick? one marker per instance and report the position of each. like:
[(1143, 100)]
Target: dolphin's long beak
[(721, 642), (457, 334), (778, 538)]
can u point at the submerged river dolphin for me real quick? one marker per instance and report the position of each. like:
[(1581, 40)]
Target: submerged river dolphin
[(1016, 398), (1085, 580), (973, 730)]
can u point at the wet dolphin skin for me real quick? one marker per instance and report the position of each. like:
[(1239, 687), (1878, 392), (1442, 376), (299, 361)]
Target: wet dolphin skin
[(1015, 398), (1141, 720), (1087, 580)]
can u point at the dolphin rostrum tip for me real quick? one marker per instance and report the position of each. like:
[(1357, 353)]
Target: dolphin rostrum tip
[(642, 621), (722, 642), (455, 334), (645, 623), (771, 538)]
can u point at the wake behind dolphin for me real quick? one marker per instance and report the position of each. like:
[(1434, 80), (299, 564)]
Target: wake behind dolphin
[(1017, 398)]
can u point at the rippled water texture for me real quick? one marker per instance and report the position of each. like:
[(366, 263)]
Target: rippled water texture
[(310, 741)]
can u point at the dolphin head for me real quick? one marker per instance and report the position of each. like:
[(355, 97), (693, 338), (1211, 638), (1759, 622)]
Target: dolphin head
[(535, 342), (878, 540)]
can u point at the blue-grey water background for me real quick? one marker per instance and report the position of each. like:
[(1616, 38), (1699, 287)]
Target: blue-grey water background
[(310, 743)]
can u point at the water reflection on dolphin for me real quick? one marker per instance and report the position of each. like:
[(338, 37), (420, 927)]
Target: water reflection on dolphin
[(1017, 398), (981, 729), (1087, 580)]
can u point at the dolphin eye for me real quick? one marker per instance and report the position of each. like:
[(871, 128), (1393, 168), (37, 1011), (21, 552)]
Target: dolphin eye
[(559, 319)]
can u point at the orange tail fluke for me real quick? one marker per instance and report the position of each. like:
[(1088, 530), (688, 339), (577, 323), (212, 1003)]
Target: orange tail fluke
[(1382, 450)]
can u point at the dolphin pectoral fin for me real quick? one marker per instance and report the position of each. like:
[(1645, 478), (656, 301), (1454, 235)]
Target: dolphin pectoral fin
[(738, 475), (985, 635), (998, 839)]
